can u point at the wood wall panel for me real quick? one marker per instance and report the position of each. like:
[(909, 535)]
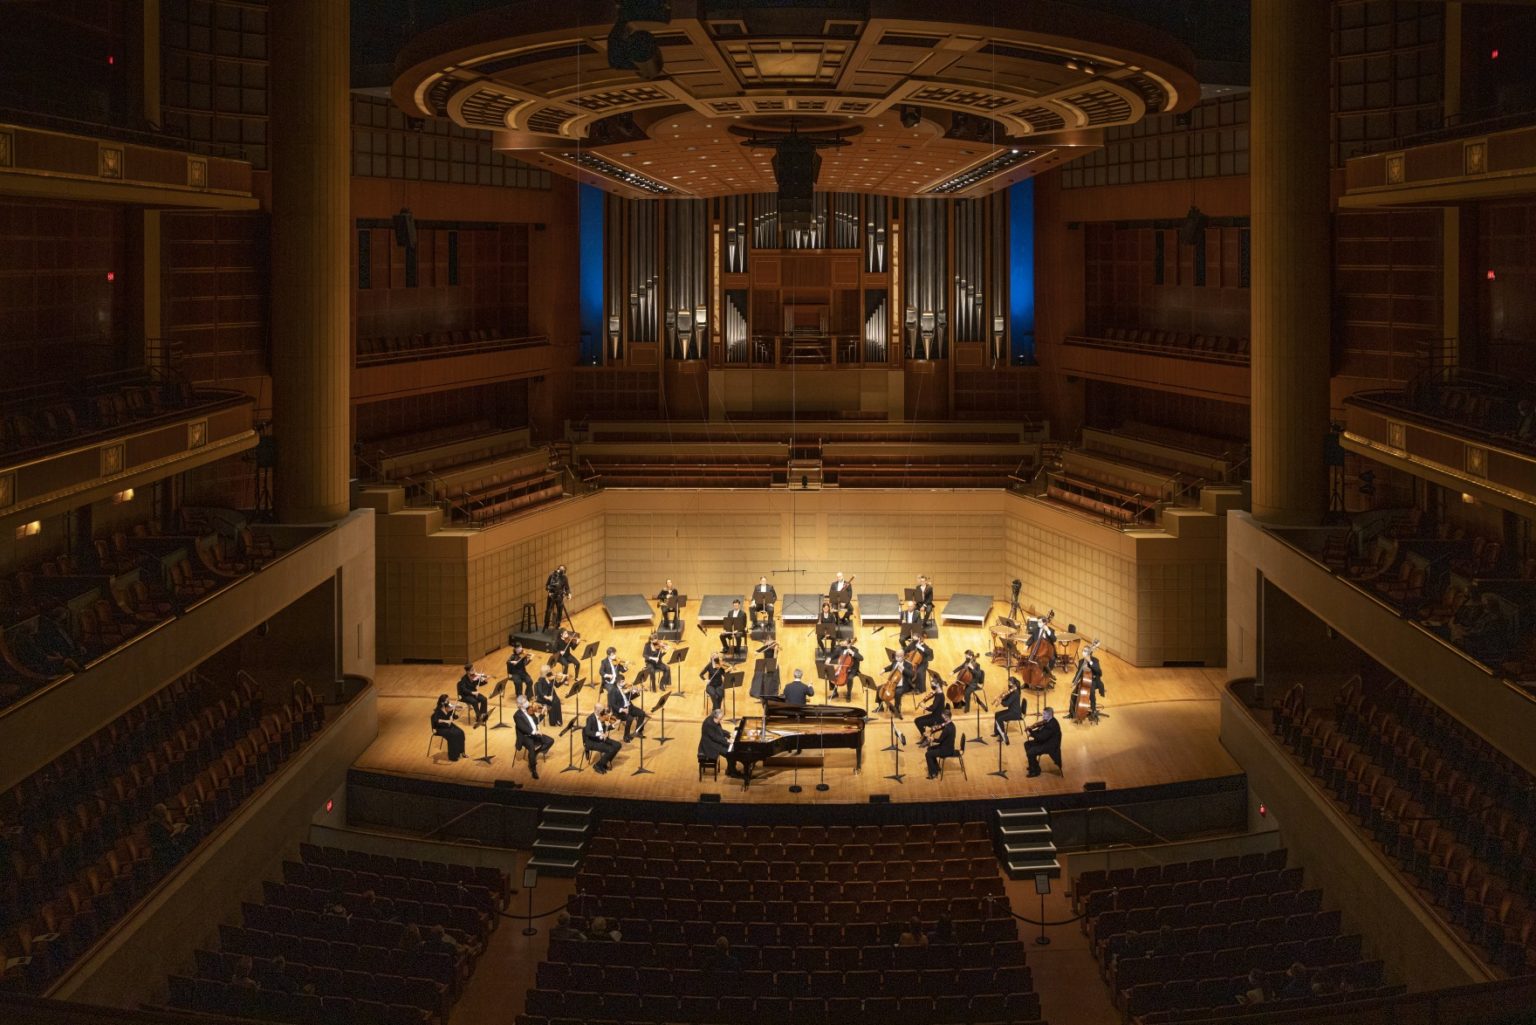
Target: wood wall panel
[(506, 571)]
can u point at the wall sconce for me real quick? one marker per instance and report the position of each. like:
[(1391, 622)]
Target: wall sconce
[(123, 497), (29, 529)]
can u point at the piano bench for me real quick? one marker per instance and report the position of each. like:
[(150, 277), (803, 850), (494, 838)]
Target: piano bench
[(712, 764)]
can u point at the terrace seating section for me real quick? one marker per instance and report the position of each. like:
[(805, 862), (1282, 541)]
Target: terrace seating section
[(1099, 499), (1158, 342), (650, 464), (1491, 404), (1449, 810), (64, 612), (358, 936), (969, 464), (35, 419), (812, 916), (475, 473), (439, 344), (1183, 940), (88, 836)]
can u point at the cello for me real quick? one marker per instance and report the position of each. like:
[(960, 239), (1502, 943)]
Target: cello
[(844, 667), (1082, 686), (886, 692)]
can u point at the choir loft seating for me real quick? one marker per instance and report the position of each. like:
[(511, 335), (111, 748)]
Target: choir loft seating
[(477, 473), (350, 937), (440, 345), (1183, 941), (1159, 342), (89, 835), (1448, 809), (1496, 406), (68, 611), (811, 917)]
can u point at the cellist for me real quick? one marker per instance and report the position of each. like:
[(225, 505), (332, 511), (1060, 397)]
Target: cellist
[(846, 663), (903, 674), (973, 684)]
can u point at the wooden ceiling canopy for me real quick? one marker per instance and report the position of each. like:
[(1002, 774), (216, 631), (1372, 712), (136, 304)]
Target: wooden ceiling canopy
[(1002, 92)]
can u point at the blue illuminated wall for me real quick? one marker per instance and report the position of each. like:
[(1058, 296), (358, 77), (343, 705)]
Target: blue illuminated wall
[(590, 216), (1021, 270)]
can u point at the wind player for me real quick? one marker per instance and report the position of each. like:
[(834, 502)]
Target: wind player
[(666, 602), (849, 648), (714, 742), (943, 746), (763, 600), (978, 677), (841, 594), (922, 597), (517, 669), (826, 626), (469, 693), (594, 737), (528, 736), (713, 676), (656, 662), (733, 634)]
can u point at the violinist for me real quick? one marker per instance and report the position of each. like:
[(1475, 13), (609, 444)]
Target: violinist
[(666, 603), (849, 652), (565, 651), (608, 669), (937, 707), (1044, 739), (469, 692), (517, 669), (734, 629), (594, 737), (442, 725), (826, 626), (978, 677), (528, 736), (922, 598), (713, 676), (943, 745), (905, 685), (619, 704), (546, 691), (1008, 709), (656, 662)]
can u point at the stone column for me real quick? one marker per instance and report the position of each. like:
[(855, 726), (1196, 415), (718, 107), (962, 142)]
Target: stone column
[(1291, 272), (311, 257)]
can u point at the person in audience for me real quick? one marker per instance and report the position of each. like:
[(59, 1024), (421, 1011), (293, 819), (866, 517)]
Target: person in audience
[(563, 929), (913, 935), (943, 930), (244, 974), (1296, 984), (442, 726), (721, 959), (441, 941), (1256, 989), (276, 979), (1487, 633), (169, 840), (601, 929)]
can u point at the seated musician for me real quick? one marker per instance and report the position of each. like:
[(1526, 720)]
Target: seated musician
[(763, 599), (528, 736), (608, 669), (911, 623), (546, 691), (517, 670), (594, 737), (469, 692), (442, 725), (847, 649), (906, 686), (798, 691), (841, 595), (1008, 708), (1044, 739), (826, 626), (666, 604), (734, 629), (978, 677), (923, 598), (937, 707), (656, 662), (618, 704), (714, 742), (943, 745), (915, 646), (713, 676), (565, 651)]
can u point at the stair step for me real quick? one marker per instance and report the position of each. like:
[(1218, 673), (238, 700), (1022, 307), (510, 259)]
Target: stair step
[(554, 866), (559, 812), (1025, 868), (1021, 816), (558, 847), (1024, 833), (1026, 850), (560, 829)]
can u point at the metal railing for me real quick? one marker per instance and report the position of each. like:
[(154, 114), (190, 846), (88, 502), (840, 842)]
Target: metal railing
[(432, 350)]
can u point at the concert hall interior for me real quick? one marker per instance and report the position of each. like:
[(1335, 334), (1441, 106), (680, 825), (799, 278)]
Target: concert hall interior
[(982, 512)]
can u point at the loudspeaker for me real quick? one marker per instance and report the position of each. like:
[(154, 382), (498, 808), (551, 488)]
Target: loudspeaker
[(405, 229), (709, 798), (1095, 786), (1190, 230), (879, 798)]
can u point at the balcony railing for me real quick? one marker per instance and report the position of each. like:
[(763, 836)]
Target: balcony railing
[(801, 351)]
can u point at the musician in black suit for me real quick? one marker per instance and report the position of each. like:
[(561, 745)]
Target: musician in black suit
[(565, 651), (517, 670), (937, 707), (656, 662), (1096, 681), (733, 634), (850, 649), (943, 746), (608, 669), (841, 593), (442, 725), (798, 691), (619, 704), (528, 736), (764, 597), (713, 676), (546, 691), (713, 740), (666, 601), (469, 692), (915, 646), (594, 737), (911, 622), (1008, 709), (826, 626), (978, 677), (558, 589), (1044, 739), (922, 598), (907, 685), (1037, 625)]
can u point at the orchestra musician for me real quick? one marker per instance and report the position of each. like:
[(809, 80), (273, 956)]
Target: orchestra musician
[(937, 706), (666, 602), (923, 598), (1095, 673), (528, 736), (656, 662), (608, 669), (798, 692), (916, 645), (850, 650), (1037, 625), (442, 725), (619, 705), (841, 594), (978, 677), (558, 589), (469, 692), (594, 737), (911, 623), (943, 745), (565, 651), (826, 626), (1044, 739), (764, 597), (714, 742), (1008, 709), (733, 635), (906, 686), (546, 691), (517, 670), (713, 676)]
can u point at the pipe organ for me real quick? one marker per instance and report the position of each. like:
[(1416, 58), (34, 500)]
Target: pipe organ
[(925, 231), (877, 326), (686, 280), (969, 298)]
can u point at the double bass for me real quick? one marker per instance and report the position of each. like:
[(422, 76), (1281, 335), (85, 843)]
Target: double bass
[(1082, 686), (1035, 671)]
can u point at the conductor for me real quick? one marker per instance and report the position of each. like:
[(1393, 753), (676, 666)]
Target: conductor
[(1044, 739), (798, 691)]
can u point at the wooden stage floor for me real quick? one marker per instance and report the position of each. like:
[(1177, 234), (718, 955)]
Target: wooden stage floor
[(1162, 726)]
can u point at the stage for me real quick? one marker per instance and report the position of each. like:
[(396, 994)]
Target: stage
[(1162, 727)]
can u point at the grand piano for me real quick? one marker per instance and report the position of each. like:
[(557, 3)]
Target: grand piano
[(784, 728)]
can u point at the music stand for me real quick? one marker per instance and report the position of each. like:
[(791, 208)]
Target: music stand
[(485, 736), (587, 657), (497, 692), (764, 674), (679, 655), (673, 605), (895, 748), (826, 632), (641, 770), (661, 706), (733, 684), (570, 745)]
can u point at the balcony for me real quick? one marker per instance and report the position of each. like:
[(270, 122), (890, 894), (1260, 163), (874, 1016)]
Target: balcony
[(1211, 366), (419, 364), (1476, 165)]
